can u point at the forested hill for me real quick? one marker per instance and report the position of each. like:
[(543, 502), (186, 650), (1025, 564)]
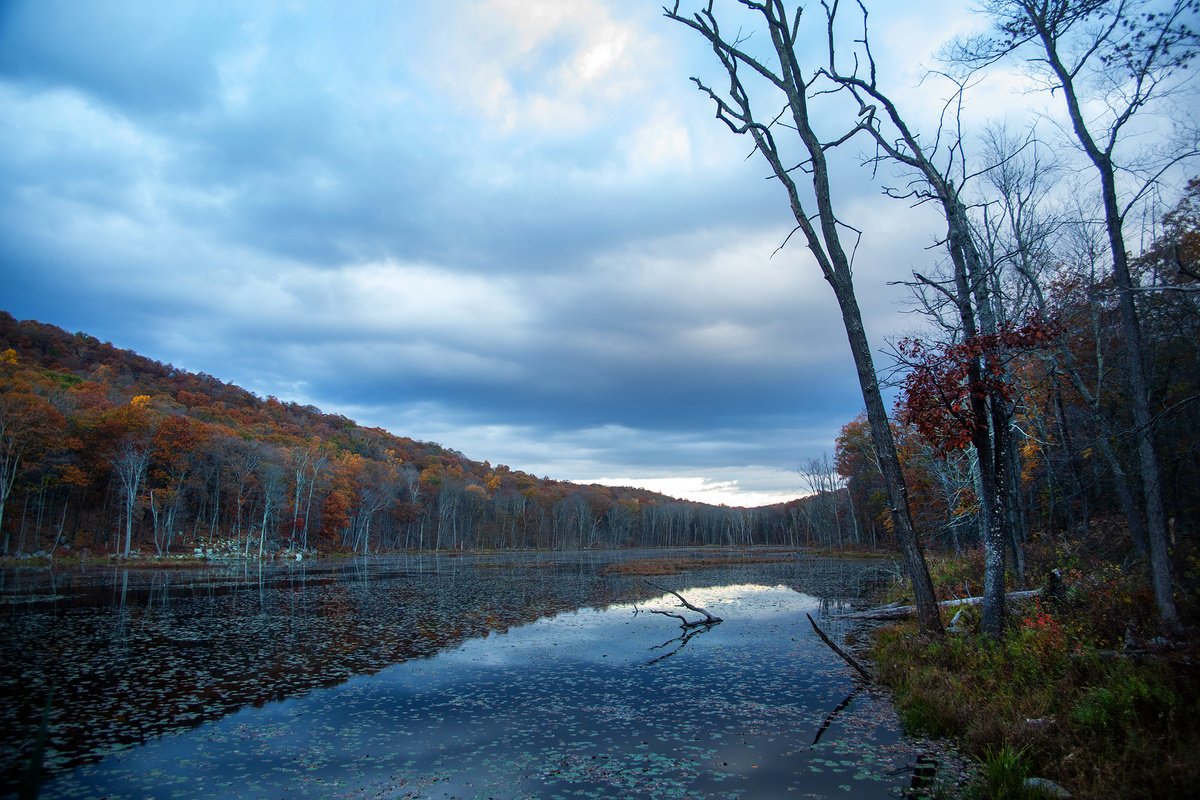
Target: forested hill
[(108, 451)]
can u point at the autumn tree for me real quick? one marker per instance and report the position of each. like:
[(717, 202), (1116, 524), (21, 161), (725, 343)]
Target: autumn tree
[(941, 393), (132, 456), (28, 423), (175, 447)]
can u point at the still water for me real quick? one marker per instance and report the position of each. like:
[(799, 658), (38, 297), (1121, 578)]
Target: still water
[(532, 676)]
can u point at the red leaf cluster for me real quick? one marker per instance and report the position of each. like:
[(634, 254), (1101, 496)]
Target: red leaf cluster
[(939, 388)]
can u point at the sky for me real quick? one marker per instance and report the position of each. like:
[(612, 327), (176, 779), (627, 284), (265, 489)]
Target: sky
[(513, 227)]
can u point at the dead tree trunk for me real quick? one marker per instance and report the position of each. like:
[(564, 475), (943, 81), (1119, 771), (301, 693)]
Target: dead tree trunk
[(821, 233), (896, 611)]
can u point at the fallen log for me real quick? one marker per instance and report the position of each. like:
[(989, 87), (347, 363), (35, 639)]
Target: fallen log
[(893, 611)]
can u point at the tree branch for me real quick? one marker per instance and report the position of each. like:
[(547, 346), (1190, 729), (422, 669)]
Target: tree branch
[(709, 619), (849, 659)]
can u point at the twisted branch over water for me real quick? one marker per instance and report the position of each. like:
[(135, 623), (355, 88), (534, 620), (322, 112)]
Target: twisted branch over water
[(709, 619)]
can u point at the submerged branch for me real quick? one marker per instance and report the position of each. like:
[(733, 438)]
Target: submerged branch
[(849, 659)]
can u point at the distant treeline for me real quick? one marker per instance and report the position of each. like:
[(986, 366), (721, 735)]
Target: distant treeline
[(105, 450), (111, 452)]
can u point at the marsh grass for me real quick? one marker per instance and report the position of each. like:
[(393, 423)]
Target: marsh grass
[(1061, 696), (1004, 772)]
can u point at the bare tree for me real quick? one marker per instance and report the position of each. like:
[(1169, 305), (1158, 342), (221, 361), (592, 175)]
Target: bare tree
[(939, 173), (377, 491), (815, 218), (822, 482), (241, 464), (316, 465), (130, 463), (299, 461), (306, 464), (270, 478), (1111, 62)]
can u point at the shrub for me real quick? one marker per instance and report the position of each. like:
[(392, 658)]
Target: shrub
[(1126, 700)]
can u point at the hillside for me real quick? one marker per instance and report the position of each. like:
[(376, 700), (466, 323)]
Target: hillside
[(108, 451)]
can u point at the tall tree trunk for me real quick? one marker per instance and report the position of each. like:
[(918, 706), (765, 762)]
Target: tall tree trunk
[(928, 617), (989, 432), (1131, 335), (1139, 397)]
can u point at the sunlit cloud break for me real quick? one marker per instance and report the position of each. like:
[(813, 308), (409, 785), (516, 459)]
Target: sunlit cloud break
[(701, 490)]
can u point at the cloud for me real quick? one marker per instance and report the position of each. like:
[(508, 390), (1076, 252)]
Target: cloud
[(541, 67), (512, 227), (714, 491), (155, 58)]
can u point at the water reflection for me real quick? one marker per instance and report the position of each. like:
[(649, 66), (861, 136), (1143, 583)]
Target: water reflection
[(135, 655), (838, 709), (673, 646)]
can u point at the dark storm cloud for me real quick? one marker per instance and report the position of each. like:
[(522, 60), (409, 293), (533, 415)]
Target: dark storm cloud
[(149, 57)]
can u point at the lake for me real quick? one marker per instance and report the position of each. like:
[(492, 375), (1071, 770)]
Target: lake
[(516, 675)]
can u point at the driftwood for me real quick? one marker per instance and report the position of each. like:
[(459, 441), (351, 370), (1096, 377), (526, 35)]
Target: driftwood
[(685, 623), (849, 659), (897, 611)]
